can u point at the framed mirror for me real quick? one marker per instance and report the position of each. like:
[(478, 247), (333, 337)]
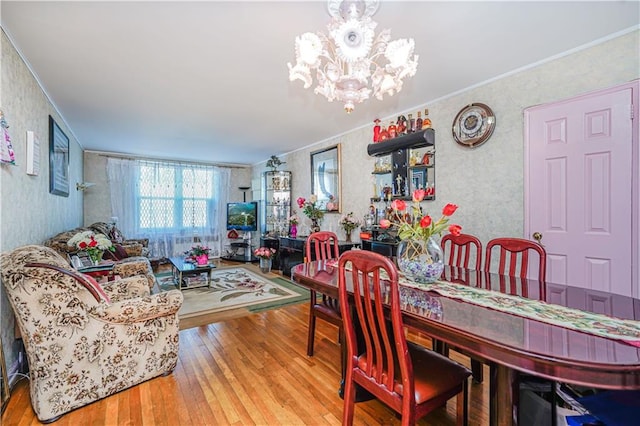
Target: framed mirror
[(325, 178)]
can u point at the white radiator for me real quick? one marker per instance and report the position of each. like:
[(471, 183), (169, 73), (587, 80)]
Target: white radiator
[(182, 244)]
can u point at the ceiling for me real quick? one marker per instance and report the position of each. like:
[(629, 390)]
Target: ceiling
[(208, 80)]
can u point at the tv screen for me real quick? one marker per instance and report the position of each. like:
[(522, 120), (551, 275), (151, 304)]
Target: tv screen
[(242, 216)]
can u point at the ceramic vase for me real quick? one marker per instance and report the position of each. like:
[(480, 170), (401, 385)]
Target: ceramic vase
[(315, 225), (420, 260), (202, 259), (293, 230), (265, 265)]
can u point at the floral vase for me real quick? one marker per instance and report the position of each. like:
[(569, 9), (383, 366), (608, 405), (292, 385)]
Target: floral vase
[(202, 259), (315, 226), (293, 230), (348, 234), (420, 260), (265, 265)]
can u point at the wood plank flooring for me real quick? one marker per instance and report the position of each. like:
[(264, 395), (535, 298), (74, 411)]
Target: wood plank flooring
[(246, 371)]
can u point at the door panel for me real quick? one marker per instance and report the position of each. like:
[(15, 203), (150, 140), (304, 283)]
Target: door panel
[(579, 186)]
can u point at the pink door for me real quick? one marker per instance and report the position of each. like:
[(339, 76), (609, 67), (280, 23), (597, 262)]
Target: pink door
[(578, 180)]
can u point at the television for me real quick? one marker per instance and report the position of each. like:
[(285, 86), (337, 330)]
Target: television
[(242, 216)]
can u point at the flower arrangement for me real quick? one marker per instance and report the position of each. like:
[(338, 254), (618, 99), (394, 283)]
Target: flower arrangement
[(199, 250), (293, 219), (264, 252), (94, 244), (310, 207), (416, 226), (348, 222)]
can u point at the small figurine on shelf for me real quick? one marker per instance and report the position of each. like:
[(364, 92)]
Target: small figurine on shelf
[(376, 130), (392, 130), (401, 125), (384, 134), (412, 124)]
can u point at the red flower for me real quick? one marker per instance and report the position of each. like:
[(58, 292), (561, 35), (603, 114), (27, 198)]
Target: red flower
[(93, 243), (449, 209), (82, 245), (425, 222), (418, 195), (455, 229), (300, 202), (399, 205), (385, 223)]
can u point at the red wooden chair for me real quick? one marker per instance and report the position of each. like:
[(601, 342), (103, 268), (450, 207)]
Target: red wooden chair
[(408, 378), (459, 250), (322, 245), (514, 263)]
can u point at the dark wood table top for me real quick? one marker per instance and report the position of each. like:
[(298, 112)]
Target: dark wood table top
[(509, 340)]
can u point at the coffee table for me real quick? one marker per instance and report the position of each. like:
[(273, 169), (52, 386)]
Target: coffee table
[(182, 269)]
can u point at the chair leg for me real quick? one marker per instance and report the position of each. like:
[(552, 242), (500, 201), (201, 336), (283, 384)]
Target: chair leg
[(477, 370), (462, 405), (312, 332)]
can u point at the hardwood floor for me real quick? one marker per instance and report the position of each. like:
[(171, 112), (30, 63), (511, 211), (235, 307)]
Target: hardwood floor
[(249, 370)]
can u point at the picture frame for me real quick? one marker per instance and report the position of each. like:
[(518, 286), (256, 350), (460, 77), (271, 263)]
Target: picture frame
[(58, 160), (326, 183)]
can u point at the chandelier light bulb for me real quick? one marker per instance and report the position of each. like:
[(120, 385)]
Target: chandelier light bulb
[(351, 63)]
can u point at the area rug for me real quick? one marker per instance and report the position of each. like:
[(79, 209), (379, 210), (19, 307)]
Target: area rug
[(235, 291)]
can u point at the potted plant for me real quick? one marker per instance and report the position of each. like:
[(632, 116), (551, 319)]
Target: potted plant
[(201, 254), (265, 255), (419, 256)]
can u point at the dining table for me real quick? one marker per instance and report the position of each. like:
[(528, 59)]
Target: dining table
[(563, 333)]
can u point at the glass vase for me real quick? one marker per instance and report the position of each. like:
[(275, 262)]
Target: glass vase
[(202, 259), (315, 225), (420, 260), (95, 256), (265, 265), (293, 230)]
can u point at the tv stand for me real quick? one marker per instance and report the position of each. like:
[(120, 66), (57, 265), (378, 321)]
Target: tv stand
[(240, 252)]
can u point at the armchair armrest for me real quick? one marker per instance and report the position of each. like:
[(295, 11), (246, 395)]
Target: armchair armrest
[(126, 288), (140, 309)]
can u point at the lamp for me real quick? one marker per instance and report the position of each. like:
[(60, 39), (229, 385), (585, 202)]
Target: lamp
[(351, 54), (81, 186)]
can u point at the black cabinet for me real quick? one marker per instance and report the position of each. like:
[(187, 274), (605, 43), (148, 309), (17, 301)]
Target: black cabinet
[(292, 252)]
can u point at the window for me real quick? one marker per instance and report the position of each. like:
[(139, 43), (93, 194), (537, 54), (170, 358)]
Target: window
[(173, 197)]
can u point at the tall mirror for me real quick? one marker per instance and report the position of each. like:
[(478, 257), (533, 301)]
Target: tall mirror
[(325, 178)]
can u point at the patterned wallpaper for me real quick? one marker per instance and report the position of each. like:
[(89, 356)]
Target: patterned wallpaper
[(486, 182), (28, 212)]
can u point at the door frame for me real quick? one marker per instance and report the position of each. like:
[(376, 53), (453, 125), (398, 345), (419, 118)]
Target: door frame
[(634, 85)]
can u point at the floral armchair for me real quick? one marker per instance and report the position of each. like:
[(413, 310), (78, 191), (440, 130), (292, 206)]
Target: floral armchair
[(126, 266), (85, 341)]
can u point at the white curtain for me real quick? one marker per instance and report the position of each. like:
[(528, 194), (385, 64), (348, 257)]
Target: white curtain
[(175, 205)]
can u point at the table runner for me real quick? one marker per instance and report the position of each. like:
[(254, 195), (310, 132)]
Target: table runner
[(602, 325)]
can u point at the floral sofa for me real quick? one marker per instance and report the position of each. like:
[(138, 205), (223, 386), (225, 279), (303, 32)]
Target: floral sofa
[(130, 262), (85, 341)]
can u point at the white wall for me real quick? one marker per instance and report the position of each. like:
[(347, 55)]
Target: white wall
[(486, 182)]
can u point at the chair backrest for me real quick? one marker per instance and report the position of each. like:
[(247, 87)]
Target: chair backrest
[(459, 249), (514, 257), (322, 245), (382, 355)]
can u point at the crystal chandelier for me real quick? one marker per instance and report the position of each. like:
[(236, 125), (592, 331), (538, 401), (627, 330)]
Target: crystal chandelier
[(351, 54)]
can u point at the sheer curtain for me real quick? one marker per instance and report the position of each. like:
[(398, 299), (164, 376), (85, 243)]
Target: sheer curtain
[(175, 205)]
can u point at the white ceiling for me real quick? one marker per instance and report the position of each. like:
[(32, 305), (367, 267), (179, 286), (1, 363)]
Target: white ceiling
[(208, 81)]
